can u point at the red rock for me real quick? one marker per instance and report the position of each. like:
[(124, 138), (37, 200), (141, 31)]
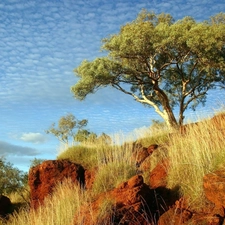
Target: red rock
[(140, 155), (145, 166), (214, 187), (43, 178), (182, 214), (129, 203), (175, 217), (158, 176), (152, 148), (90, 177)]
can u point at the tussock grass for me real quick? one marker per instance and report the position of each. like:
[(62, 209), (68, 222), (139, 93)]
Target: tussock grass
[(85, 156), (58, 209), (192, 155)]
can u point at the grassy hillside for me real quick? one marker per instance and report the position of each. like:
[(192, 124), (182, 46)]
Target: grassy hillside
[(197, 151)]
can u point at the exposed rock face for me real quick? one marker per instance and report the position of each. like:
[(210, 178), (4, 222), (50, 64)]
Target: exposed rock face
[(158, 176), (5, 206), (43, 178), (214, 187), (127, 204), (181, 214), (90, 177)]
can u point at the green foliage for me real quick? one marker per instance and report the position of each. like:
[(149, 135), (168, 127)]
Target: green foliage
[(11, 178), (86, 156), (36, 162), (82, 135), (112, 174), (66, 126), (160, 63)]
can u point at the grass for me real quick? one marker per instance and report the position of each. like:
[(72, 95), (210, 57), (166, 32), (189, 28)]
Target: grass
[(198, 151), (58, 209), (192, 155), (85, 156)]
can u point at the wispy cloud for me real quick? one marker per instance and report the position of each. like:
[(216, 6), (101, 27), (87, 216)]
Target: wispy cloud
[(43, 41), (10, 149)]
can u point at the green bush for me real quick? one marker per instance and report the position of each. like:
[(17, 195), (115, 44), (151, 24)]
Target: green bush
[(85, 156), (11, 178)]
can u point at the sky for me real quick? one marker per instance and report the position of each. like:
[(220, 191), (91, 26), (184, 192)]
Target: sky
[(42, 42)]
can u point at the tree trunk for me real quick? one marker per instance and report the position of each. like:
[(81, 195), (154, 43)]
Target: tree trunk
[(167, 110), (170, 119)]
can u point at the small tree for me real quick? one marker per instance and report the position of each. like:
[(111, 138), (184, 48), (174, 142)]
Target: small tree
[(11, 178), (82, 135), (66, 126), (160, 63)]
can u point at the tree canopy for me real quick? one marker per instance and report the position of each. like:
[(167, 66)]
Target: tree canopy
[(160, 62), (11, 178), (66, 128)]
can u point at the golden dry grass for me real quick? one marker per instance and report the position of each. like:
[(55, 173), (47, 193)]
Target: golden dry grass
[(192, 155), (198, 151)]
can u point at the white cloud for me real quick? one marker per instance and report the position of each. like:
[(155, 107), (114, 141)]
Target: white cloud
[(36, 138)]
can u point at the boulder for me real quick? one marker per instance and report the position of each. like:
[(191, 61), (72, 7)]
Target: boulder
[(158, 176), (131, 203), (43, 178), (214, 187)]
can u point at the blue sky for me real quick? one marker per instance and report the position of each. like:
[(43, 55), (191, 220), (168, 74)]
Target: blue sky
[(42, 41)]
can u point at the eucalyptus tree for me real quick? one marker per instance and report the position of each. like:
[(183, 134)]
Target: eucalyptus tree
[(66, 128), (160, 62)]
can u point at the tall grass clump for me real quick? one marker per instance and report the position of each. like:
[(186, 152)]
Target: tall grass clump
[(58, 209), (80, 154), (198, 151), (157, 133), (115, 165), (114, 162)]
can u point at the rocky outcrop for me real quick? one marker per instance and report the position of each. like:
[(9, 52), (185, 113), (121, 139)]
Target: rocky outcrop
[(181, 214), (214, 187), (158, 176), (212, 214), (131, 203), (90, 177), (43, 178)]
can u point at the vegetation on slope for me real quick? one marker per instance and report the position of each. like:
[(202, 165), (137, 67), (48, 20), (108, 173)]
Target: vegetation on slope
[(192, 154)]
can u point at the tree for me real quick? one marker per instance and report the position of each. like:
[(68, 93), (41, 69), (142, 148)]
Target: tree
[(66, 126), (11, 178), (160, 62), (36, 162), (82, 135)]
